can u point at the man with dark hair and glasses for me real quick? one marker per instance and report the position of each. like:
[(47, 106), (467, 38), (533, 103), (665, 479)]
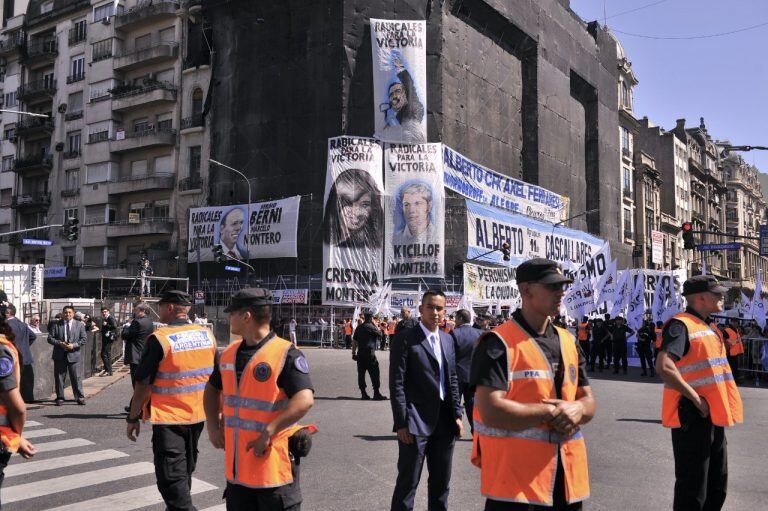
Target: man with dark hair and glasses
[(532, 396)]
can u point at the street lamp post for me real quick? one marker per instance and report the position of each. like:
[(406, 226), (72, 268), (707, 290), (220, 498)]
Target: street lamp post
[(248, 207)]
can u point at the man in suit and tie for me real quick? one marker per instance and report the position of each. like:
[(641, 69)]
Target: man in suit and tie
[(134, 337), (426, 405), (464, 339), (67, 337)]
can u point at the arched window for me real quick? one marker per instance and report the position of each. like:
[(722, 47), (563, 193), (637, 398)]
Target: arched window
[(197, 101)]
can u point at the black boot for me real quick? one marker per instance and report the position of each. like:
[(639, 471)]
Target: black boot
[(378, 396), (365, 396)]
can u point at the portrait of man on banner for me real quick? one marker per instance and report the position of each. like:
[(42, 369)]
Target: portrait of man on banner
[(403, 110), (354, 216), (230, 232), (414, 218)]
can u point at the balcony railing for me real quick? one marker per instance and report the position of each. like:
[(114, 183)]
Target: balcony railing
[(70, 192), (72, 154), (77, 34), (42, 50), (142, 182), (128, 90), (44, 87), (101, 136), (146, 12), (41, 199), (194, 121), (77, 77), (144, 226), (11, 44), (42, 161), (156, 52), (71, 116), (190, 183), (30, 126)]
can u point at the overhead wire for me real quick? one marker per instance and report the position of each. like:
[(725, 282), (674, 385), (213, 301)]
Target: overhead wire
[(684, 38)]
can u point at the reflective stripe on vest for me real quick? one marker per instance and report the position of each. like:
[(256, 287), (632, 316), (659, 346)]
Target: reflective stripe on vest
[(498, 451), (705, 368), (249, 405), (8, 436), (187, 363)]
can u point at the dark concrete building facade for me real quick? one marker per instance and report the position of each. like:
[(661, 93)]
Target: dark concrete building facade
[(525, 88)]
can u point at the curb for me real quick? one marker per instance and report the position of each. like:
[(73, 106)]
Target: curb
[(91, 386)]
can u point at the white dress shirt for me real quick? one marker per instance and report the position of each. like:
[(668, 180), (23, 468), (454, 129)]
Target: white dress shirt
[(437, 349)]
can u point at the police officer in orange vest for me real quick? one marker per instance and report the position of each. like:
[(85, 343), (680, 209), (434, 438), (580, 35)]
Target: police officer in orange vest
[(735, 347), (175, 366), (258, 392), (13, 411), (700, 397), (583, 333), (532, 397)]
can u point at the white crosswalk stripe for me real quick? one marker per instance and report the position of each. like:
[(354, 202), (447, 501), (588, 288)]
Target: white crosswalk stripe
[(62, 444), (75, 481), (132, 499), (31, 424), (31, 467), (38, 433), (220, 507)]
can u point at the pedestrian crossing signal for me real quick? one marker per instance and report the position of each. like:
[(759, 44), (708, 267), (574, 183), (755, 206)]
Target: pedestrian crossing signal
[(688, 242), (218, 254)]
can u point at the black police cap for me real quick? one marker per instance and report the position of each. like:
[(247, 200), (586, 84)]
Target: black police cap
[(542, 271), (176, 297), (703, 284), (250, 297)]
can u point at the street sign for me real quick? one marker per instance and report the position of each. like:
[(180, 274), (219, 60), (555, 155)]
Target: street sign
[(232, 268), (199, 297), (657, 247), (33, 241), (718, 246), (764, 240)]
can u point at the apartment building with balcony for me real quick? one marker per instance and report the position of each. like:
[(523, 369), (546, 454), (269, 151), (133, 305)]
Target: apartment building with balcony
[(746, 210), (125, 147)]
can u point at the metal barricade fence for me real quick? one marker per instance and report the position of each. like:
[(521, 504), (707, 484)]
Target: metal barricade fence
[(753, 363), (323, 336)]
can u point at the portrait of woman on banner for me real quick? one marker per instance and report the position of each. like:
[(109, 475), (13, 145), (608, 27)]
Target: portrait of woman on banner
[(354, 217)]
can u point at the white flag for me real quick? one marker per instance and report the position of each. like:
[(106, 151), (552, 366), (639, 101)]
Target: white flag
[(580, 299), (757, 309), (658, 306), (606, 286), (674, 305), (636, 307), (622, 292)]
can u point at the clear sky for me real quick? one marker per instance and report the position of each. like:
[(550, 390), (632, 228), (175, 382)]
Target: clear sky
[(723, 79)]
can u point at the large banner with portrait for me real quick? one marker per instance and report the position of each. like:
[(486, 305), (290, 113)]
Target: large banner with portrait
[(414, 211), (272, 233), (400, 80), (483, 185), (353, 221), (485, 285), (489, 228)]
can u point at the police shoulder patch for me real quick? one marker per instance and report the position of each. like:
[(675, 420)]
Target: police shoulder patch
[(572, 373), (301, 365), (262, 371), (6, 366), (676, 328)]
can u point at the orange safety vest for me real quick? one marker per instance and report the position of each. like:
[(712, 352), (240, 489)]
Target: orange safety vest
[(248, 408), (498, 452), (391, 328), (188, 358), (735, 346), (706, 369), (583, 331), (658, 337), (348, 328), (10, 438)]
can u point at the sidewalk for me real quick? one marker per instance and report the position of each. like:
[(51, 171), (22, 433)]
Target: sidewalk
[(91, 386)]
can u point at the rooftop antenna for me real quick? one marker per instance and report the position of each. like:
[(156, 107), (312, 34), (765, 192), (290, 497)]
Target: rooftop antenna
[(605, 16)]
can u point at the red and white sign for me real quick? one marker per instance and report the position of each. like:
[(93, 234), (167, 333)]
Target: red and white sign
[(657, 247)]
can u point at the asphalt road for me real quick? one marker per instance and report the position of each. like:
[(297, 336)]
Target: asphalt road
[(89, 463)]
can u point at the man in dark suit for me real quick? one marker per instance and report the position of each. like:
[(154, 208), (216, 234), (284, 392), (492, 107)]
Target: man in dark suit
[(134, 338), (426, 405), (464, 339), (23, 339), (67, 337)]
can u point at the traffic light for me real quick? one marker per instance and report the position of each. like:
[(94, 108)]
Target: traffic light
[(688, 242), (505, 248), (71, 230), (218, 254)]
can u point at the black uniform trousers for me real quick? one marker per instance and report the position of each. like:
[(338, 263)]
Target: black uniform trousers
[(558, 504), (585, 348), (106, 358), (282, 498), (646, 357), (5, 456), (468, 394), (367, 362), (701, 464), (619, 355), (175, 452)]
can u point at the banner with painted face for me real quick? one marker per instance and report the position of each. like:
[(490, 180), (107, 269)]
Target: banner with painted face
[(485, 285), (489, 228), (273, 227), (414, 211), (400, 80), (353, 221), (486, 186)]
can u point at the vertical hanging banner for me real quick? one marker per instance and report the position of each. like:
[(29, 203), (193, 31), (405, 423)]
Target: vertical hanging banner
[(414, 207), (400, 80), (353, 221)]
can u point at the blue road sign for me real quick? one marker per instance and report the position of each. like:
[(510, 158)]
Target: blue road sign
[(718, 246), (33, 241), (764, 240), (232, 268)]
